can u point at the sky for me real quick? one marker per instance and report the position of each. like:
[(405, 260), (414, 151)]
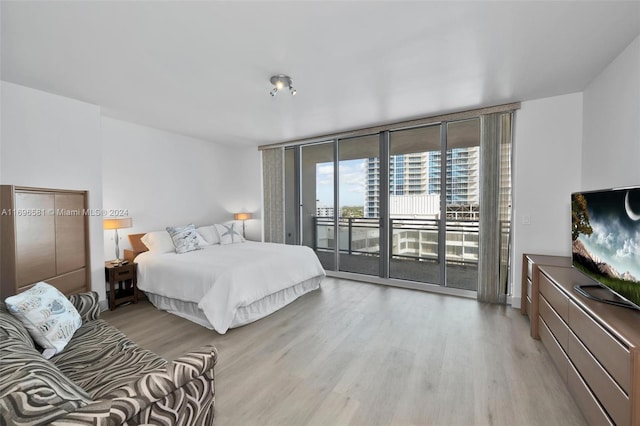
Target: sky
[(352, 178), (616, 235)]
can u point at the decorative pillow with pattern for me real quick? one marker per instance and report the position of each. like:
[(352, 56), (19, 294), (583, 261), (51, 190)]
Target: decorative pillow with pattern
[(185, 238), (229, 233), (48, 315)]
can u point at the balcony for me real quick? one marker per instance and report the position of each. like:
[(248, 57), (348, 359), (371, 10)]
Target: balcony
[(414, 253)]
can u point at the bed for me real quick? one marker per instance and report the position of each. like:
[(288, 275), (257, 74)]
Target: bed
[(226, 286)]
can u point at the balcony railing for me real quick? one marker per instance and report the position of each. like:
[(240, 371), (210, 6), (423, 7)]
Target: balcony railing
[(411, 239)]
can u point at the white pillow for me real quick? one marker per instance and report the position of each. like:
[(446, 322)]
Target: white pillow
[(208, 234), (201, 240), (48, 315), (158, 242), (229, 233)]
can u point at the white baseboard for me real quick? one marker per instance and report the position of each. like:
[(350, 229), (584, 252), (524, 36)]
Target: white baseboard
[(515, 302)]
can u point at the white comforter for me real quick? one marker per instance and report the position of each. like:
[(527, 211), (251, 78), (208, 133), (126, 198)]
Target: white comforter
[(222, 278)]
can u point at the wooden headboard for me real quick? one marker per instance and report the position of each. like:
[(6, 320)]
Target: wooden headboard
[(137, 247)]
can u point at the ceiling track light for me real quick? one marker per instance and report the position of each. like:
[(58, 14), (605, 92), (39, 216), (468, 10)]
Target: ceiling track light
[(281, 81)]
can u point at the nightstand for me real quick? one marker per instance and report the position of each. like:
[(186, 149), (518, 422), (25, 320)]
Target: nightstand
[(122, 283)]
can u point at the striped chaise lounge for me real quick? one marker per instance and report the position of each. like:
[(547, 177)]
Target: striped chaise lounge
[(101, 378)]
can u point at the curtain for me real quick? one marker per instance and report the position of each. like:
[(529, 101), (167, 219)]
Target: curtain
[(273, 194), (495, 208), (505, 202)]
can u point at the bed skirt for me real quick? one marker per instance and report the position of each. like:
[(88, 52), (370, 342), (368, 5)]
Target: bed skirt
[(245, 314)]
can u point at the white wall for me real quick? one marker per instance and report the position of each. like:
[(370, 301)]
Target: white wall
[(547, 168), (50, 141), (573, 142), (166, 179), (162, 178), (611, 147)]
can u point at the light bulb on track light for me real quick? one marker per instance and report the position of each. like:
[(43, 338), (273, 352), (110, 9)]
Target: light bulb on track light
[(281, 81)]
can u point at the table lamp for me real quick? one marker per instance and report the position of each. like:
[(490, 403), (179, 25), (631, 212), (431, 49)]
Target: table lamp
[(242, 217), (115, 224)]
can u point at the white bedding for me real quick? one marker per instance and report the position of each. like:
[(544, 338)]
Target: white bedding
[(223, 278)]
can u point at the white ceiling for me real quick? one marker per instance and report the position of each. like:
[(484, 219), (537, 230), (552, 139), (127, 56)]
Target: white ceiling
[(203, 68)]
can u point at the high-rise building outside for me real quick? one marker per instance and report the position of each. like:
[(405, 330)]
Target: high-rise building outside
[(463, 176), (407, 176), (419, 174)]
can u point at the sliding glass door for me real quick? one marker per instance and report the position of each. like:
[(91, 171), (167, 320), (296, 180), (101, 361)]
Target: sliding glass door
[(317, 201), (433, 204), (462, 203), (414, 205), (399, 204), (359, 201)]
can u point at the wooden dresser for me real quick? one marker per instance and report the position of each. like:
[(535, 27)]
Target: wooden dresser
[(595, 347), (530, 276), (44, 237)]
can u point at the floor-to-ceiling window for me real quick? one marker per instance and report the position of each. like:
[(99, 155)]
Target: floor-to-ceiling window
[(358, 198), (435, 225), (414, 204), (399, 204), (462, 210), (317, 200)]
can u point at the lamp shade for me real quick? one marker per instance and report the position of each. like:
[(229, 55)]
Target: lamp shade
[(242, 216), (117, 223)]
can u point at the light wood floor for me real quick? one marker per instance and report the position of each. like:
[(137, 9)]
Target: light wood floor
[(363, 354)]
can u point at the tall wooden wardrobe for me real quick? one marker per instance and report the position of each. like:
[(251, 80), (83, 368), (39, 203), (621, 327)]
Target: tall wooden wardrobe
[(44, 236)]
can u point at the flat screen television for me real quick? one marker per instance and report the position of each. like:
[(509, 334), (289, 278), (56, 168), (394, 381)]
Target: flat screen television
[(605, 234)]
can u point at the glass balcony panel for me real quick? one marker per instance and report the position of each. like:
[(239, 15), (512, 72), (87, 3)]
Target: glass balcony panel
[(359, 228), (414, 212), (462, 210), (317, 199)]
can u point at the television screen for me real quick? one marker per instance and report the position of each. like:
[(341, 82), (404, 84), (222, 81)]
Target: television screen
[(605, 235)]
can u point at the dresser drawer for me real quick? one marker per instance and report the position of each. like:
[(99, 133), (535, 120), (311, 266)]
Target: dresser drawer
[(556, 325), (529, 289), (588, 403), (122, 273), (556, 298), (553, 347), (529, 269), (528, 306), (612, 355), (612, 398)]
